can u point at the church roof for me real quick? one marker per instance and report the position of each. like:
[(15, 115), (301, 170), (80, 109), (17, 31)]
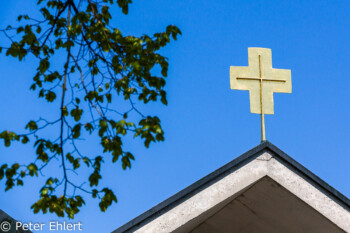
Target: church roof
[(250, 177)]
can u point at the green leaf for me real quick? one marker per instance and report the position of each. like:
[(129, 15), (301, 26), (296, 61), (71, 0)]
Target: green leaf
[(31, 126), (25, 139), (107, 199), (76, 131), (76, 113), (2, 173), (64, 111), (76, 163), (89, 127), (109, 98), (38, 29), (49, 181), (70, 158), (44, 65), (94, 178), (33, 169), (19, 183), (50, 96)]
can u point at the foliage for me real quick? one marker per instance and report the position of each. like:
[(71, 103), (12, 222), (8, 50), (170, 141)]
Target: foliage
[(84, 66)]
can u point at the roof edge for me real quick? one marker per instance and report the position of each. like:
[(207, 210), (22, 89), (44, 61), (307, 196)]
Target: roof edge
[(307, 173)]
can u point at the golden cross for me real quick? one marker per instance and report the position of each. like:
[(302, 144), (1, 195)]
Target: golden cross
[(261, 80)]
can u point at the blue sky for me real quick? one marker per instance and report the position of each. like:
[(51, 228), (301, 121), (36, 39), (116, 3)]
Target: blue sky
[(206, 124)]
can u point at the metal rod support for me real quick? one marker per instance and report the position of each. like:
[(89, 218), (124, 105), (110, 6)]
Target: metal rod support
[(263, 136)]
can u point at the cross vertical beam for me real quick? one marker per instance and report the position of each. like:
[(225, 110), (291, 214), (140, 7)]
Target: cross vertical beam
[(262, 117)]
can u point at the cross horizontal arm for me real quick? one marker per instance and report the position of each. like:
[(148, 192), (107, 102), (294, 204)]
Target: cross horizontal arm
[(263, 79)]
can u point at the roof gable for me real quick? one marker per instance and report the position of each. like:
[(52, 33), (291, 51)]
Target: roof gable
[(190, 207)]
